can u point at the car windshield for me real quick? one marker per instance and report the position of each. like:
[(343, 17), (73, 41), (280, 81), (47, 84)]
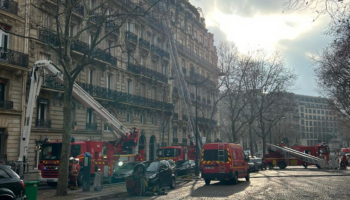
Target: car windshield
[(181, 162), (51, 151), (146, 164), (129, 165), (153, 167)]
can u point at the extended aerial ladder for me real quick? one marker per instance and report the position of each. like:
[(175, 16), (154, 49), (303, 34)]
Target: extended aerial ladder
[(179, 76), (119, 131), (297, 154)]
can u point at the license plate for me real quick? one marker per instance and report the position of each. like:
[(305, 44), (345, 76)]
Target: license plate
[(209, 167), (50, 180)]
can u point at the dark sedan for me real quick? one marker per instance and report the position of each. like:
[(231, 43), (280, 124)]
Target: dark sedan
[(160, 175), (184, 167), (253, 166), (11, 186), (126, 170)]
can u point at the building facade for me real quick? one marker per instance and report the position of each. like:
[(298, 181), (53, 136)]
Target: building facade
[(133, 84), (318, 123), (13, 75)]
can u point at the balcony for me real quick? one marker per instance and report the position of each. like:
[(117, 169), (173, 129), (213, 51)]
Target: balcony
[(203, 120), (10, 6), (199, 77), (156, 50), (79, 46), (138, 69), (131, 37), (13, 57), (96, 18), (6, 105), (79, 9), (50, 82), (111, 26), (175, 116), (144, 43), (43, 123), (91, 126), (124, 98), (184, 141), (194, 56), (175, 141)]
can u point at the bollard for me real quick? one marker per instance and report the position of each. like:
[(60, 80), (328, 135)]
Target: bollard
[(98, 181)]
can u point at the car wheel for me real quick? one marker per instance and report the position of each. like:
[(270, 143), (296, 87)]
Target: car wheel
[(235, 179), (207, 181), (173, 183), (247, 178), (158, 185), (52, 184), (282, 165)]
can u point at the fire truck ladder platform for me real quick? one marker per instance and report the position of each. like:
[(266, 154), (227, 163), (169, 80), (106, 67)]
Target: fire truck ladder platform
[(299, 155)]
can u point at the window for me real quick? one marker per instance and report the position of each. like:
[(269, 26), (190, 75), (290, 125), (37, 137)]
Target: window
[(42, 111), (3, 90), (307, 123), (181, 41), (195, 34), (128, 117), (3, 142), (154, 93), (90, 117), (130, 27), (174, 132), (200, 39), (90, 76), (153, 120), (184, 136), (45, 20), (91, 37), (71, 31), (143, 90), (155, 40), (4, 41), (318, 111), (164, 70), (302, 122), (3, 174), (314, 111), (141, 119), (129, 86), (302, 115)]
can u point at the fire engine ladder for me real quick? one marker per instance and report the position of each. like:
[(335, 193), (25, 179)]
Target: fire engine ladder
[(179, 76), (299, 155), (119, 130), (221, 158)]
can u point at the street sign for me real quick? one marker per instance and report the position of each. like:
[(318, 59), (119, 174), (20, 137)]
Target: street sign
[(204, 139)]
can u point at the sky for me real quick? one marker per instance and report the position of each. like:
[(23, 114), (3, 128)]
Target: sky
[(266, 24)]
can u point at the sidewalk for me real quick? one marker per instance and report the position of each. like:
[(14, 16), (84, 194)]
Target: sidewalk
[(108, 191)]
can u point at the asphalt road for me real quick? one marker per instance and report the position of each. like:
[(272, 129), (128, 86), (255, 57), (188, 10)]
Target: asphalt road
[(291, 183)]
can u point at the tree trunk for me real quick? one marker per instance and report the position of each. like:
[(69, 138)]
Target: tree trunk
[(264, 146), (251, 140), (66, 136)]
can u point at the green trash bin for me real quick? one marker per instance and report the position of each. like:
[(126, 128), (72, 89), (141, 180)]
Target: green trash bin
[(31, 189)]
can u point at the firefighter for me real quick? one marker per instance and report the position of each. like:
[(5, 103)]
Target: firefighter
[(343, 162), (73, 174)]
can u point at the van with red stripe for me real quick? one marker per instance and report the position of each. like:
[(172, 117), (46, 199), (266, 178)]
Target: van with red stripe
[(224, 161)]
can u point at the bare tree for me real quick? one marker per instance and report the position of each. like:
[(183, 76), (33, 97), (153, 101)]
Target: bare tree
[(101, 20), (267, 89)]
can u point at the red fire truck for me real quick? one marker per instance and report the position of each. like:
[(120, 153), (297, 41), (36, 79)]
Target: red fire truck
[(298, 155), (176, 153), (105, 156)]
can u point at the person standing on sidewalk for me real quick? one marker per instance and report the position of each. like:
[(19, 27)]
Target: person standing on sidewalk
[(73, 175)]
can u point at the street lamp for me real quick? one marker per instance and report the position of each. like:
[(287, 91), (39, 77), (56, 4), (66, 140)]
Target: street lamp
[(195, 83)]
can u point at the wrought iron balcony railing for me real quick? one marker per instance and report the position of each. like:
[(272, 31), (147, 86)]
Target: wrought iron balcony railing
[(199, 77), (206, 121), (79, 46), (122, 97), (175, 116), (13, 57), (156, 50), (43, 123), (91, 126), (132, 37), (79, 9), (184, 141), (175, 141), (111, 26), (50, 82), (144, 43), (10, 6), (138, 69), (6, 105)]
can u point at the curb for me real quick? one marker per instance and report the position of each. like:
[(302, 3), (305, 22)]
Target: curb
[(104, 196), (292, 176)]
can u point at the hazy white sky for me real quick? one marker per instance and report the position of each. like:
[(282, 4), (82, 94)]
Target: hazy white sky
[(255, 24)]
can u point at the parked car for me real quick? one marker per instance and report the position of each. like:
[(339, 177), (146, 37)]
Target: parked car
[(253, 165), (172, 165), (160, 175), (184, 167), (11, 185), (260, 163), (126, 170)]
